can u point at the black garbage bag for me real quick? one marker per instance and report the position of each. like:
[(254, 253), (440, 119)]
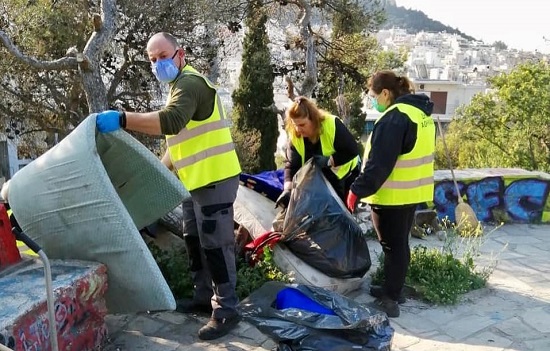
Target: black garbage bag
[(316, 319), (319, 229)]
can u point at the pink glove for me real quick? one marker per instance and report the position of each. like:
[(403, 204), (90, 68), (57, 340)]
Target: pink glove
[(351, 201)]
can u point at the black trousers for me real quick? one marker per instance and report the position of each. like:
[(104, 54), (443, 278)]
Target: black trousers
[(393, 224)]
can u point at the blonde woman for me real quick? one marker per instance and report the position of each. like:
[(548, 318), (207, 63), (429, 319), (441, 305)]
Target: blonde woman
[(315, 133)]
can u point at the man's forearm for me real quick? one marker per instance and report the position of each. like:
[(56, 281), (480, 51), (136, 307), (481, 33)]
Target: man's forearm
[(147, 123)]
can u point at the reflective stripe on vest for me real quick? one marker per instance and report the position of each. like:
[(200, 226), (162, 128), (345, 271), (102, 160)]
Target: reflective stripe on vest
[(328, 133), (411, 180), (203, 152)]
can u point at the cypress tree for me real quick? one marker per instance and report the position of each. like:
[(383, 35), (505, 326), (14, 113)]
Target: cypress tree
[(254, 122)]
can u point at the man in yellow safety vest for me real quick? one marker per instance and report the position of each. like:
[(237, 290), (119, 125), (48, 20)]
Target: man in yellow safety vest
[(201, 151)]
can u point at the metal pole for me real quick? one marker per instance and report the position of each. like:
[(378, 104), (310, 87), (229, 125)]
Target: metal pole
[(50, 300), (49, 285)]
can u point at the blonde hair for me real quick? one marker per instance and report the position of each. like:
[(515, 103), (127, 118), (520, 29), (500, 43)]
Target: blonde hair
[(303, 107)]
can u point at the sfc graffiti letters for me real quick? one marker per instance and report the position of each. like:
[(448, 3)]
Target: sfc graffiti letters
[(522, 200)]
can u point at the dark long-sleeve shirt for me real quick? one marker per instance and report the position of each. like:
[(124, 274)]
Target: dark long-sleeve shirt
[(345, 148), (190, 98), (393, 135)]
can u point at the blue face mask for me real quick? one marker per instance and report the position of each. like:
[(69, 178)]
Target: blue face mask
[(165, 70)]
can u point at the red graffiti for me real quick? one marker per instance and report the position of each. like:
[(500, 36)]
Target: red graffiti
[(79, 316)]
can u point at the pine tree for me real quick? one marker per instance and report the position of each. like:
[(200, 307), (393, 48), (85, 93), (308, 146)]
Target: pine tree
[(343, 78), (254, 122), (349, 61)]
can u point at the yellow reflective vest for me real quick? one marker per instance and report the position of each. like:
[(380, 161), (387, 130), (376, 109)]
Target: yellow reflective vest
[(412, 178), (203, 151), (328, 133)]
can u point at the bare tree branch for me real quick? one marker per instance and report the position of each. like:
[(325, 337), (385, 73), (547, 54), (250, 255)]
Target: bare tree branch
[(290, 88), (55, 65), (274, 108), (310, 80), (104, 31), (119, 74)]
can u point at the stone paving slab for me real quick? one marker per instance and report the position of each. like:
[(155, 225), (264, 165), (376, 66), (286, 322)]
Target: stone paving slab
[(512, 313)]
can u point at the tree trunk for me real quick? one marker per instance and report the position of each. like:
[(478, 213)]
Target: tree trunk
[(96, 94), (310, 80), (104, 26)]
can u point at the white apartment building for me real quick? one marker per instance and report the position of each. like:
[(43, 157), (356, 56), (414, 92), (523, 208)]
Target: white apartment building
[(448, 68), (446, 95)]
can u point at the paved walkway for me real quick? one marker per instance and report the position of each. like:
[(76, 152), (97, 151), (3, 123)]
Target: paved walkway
[(512, 313)]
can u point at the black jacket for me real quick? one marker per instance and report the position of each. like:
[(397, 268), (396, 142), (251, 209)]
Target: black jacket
[(393, 135)]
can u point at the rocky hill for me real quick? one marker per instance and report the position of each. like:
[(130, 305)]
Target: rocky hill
[(415, 21)]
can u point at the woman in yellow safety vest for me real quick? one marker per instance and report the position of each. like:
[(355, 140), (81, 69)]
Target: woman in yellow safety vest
[(315, 133), (396, 177)]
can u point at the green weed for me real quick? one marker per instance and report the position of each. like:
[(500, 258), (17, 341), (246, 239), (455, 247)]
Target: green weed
[(442, 275), (174, 267)]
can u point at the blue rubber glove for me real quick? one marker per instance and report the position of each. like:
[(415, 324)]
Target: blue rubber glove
[(109, 121)]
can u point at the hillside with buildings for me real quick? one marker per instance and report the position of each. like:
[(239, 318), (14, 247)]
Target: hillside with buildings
[(448, 67), (414, 21)]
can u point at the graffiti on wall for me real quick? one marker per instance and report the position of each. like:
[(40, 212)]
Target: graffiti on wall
[(79, 319), (523, 200)]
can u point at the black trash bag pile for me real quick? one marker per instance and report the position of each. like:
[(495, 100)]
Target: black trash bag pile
[(319, 229), (173, 221), (348, 326)]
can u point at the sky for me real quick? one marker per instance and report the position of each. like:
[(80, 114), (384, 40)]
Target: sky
[(520, 24)]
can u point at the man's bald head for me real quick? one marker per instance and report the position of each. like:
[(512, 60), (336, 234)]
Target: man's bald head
[(163, 37), (162, 45)]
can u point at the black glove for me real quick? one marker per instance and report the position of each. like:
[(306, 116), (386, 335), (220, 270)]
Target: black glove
[(321, 161), (283, 199)]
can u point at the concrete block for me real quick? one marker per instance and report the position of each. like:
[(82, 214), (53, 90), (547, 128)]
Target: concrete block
[(79, 289)]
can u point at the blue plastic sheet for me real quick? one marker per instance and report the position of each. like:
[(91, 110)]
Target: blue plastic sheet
[(351, 326), (268, 183)]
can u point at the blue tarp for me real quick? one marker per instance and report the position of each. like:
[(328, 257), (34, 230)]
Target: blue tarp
[(268, 183)]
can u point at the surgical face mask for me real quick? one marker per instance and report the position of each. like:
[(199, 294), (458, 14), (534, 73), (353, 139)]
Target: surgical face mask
[(377, 106), (165, 70)]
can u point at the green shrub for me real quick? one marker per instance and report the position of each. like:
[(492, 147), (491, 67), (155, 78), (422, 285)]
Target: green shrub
[(174, 267), (442, 275), (251, 278)]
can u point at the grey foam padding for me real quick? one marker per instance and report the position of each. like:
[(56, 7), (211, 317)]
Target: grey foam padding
[(87, 197)]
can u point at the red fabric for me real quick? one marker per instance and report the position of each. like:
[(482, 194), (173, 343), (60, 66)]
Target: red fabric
[(351, 201), (9, 253), (254, 250)]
